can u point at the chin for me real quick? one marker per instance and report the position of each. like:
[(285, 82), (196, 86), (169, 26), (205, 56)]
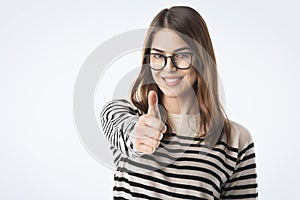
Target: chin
[(171, 93)]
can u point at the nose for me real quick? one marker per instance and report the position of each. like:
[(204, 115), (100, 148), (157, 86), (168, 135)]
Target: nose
[(169, 65)]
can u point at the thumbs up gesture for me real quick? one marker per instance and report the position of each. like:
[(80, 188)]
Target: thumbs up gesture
[(149, 130), (153, 105)]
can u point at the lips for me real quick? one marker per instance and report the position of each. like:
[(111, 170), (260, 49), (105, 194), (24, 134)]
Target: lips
[(172, 80)]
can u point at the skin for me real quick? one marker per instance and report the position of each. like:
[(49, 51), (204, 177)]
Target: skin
[(149, 129), (167, 42)]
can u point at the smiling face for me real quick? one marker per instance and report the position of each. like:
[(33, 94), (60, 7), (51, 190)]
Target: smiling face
[(172, 82)]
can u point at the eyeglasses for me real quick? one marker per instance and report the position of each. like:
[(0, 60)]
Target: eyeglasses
[(157, 61)]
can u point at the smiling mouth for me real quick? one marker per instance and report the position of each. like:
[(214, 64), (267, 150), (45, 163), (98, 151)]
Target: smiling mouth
[(172, 80)]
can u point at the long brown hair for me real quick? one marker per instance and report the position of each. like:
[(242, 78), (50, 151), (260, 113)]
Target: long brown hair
[(193, 30)]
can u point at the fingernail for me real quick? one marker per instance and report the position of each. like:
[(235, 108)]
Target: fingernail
[(153, 150)]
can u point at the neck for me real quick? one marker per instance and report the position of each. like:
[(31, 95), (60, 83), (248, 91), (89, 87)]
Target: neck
[(184, 104)]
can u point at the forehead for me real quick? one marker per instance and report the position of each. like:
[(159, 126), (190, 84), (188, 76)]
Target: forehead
[(168, 40)]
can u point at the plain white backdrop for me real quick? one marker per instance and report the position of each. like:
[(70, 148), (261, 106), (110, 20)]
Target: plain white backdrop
[(43, 45)]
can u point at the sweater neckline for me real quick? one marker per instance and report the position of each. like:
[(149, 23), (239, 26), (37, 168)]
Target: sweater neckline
[(184, 124), (183, 115)]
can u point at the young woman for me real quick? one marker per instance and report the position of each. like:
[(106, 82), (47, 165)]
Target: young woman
[(173, 140)]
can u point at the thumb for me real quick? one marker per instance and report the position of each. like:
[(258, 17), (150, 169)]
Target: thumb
[(153, 105)]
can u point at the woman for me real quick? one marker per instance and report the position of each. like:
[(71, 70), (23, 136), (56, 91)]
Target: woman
[(174, 140)]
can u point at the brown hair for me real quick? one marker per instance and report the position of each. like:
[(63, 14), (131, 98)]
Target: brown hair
[(193, 30)]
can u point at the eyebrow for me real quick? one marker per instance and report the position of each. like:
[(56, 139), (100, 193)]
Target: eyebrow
[(176, 50)]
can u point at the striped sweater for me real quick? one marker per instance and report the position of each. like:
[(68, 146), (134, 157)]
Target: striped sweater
[(181, 167)]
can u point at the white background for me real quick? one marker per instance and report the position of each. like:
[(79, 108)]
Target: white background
[(44, 43)]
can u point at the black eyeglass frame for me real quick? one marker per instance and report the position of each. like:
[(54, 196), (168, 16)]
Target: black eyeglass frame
[(147, 57)]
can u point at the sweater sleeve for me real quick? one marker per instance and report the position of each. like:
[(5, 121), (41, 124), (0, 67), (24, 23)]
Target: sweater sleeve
[(118, 118), (242, 184)]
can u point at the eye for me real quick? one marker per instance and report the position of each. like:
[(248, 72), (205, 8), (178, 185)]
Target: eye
[(182, 55), (157, 55)]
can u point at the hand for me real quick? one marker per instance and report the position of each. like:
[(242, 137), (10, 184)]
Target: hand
[(149, 130)]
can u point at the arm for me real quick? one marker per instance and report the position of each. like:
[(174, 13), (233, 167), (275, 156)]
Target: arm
[(242, 184), (118, 118)]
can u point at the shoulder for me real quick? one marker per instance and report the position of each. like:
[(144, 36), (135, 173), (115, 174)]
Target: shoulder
[(118, 105), (240, 135)]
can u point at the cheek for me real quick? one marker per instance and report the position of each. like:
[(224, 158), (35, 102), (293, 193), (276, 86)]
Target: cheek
[(192, 77), (155, 76)]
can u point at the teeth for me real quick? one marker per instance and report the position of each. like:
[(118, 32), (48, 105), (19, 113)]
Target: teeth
[(172, 80)]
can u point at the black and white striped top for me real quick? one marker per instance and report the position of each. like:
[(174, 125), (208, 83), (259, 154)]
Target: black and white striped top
[(180, 168)]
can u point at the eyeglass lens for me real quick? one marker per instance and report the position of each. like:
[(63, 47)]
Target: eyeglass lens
[(180, 60)]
